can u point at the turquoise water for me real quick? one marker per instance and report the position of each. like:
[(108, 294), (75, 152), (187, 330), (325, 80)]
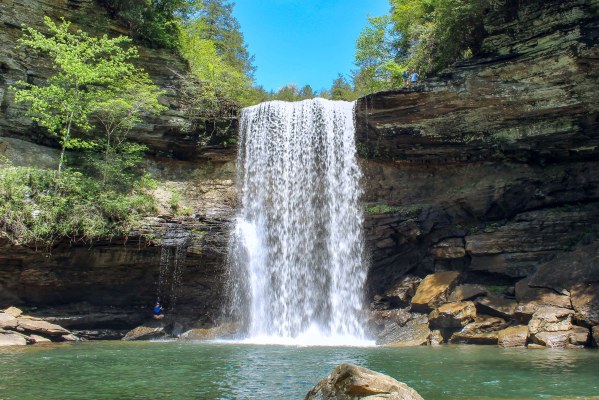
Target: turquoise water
[(143, 370)]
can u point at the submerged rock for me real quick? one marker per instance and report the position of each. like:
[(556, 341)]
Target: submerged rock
[(350, 382), (434, 290), (515, 336)]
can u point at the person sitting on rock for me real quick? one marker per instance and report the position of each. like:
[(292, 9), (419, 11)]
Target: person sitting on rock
[(158, 311), (414, 77)]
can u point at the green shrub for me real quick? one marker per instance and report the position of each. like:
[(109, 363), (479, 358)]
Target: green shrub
[(38, 207)]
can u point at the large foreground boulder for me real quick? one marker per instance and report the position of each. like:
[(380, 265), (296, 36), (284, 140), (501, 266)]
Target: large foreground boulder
[(350, 382)]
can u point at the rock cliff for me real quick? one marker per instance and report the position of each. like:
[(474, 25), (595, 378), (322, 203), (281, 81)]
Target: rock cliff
[(491, 169), (111, 284)]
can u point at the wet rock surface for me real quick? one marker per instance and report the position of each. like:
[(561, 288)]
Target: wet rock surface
[(350, 382)]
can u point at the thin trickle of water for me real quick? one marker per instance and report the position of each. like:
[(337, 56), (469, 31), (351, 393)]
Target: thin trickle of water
[(296, 257), (173, 251)]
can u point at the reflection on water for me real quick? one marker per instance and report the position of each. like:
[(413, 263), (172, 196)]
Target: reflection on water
[(119, 371)]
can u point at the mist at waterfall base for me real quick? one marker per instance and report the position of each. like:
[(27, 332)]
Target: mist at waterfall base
[(296, 259)]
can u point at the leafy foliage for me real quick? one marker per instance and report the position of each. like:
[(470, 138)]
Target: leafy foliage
[(154, 23), (94, 80), (436, 33), (38, 206)]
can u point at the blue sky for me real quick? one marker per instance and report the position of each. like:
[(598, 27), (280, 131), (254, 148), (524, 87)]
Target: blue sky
[(303, 41)]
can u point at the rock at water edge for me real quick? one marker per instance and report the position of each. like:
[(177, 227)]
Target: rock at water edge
[(350, 382), (550, 319), (145, 333), (515, 336), (12, 339), (434, 290), (43, 327), (415, 332)]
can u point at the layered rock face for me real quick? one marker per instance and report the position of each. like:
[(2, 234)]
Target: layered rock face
[(111, 284), (107, 287), (491, 169)]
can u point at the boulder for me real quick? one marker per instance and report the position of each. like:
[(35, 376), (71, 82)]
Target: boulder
[(43, 327), (554, 340), (453, 315), (37, 339), (579, 337), (550, 319), (434, 290), (467, 292), (7, 321), (585, 301), (467, 337), (70, 338), (350, 382), (449, 249), (484, 330), (436, 338), (14, 311), (12, 339), (145, 333), (224, 331), (595, 335), (380, 320), (496, 305), (514, 336), (531, 299), (400, 294), (415, 332)]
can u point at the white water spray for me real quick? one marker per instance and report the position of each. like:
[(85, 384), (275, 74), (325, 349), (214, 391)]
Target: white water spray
[(296, 256)]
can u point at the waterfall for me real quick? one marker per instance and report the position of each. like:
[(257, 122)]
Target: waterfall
[(296, 257)]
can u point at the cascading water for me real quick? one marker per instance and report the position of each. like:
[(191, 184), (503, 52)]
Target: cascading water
[(296, 257)]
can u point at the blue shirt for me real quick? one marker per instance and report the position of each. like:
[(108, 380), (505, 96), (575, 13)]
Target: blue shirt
[(157, 310), (414, 77)]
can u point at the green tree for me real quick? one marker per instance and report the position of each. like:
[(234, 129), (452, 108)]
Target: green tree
[(342, 89), (223, 29), (377, 57), (118, 110), (88, 69), (307, 92), (436, 33)]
